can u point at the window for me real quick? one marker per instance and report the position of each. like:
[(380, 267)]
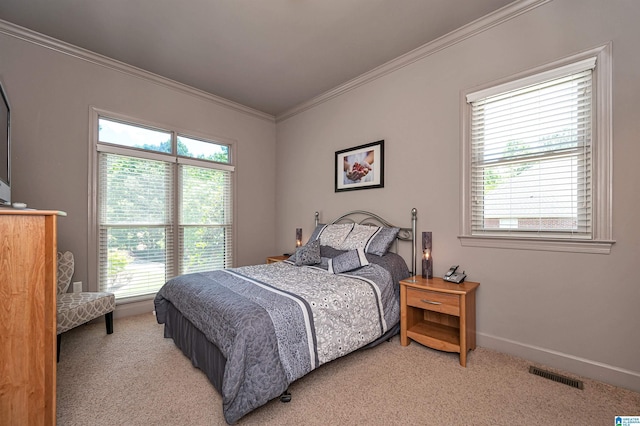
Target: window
[(164, 206), (536, 159)]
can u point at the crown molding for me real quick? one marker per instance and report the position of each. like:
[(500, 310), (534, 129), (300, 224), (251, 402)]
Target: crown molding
[(47, 42), (489, 21)]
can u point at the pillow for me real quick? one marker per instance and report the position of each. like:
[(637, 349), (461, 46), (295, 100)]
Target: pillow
[(308, 254), (353, 259), (316, 232), (359, 237), (334, 235), (381, 241), (65, 271), (330, 252)]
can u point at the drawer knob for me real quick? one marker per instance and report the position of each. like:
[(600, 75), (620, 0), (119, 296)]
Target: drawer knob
[(431, 302)]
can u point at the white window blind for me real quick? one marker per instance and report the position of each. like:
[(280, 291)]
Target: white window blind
[(135, 224), (205, 219), (531, 152), (164, 207)]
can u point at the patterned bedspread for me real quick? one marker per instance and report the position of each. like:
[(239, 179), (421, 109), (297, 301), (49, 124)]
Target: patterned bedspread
[(275, 323)]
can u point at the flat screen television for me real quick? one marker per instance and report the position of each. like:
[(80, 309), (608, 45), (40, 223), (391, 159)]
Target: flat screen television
[(5, 148)]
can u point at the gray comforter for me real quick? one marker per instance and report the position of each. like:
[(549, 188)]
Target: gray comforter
[(275, 323)]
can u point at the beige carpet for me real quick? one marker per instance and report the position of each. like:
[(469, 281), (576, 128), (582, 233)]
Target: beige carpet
[(136, 377)]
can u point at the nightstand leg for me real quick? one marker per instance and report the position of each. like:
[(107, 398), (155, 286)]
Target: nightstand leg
[(404, 340), (463, 331)]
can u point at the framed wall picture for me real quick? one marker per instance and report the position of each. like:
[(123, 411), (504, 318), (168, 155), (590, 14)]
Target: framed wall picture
[(360, 167)]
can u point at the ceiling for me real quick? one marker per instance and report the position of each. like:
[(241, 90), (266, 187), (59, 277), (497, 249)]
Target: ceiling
[(270, 55)]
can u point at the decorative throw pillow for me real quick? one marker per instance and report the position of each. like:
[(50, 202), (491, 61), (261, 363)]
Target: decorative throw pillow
[(309, 254), (65, 271), (353, 259), (359, 237), (380, 242), (333, 235)]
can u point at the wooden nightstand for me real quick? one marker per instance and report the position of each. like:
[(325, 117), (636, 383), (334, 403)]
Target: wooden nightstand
[(274, 259), (439, 314)]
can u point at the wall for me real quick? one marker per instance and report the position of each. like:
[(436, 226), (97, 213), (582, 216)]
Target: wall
[(51, 94), (577, 312)]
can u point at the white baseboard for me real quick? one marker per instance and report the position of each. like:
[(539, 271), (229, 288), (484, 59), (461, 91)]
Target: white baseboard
[(572, 364), (133, 308)]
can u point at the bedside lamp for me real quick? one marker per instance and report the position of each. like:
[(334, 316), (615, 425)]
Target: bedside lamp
[(298, 237), (427, 258)]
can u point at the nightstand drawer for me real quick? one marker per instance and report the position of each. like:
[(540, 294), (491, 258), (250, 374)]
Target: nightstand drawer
[(434, 301)]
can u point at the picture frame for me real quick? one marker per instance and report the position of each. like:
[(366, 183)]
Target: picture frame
[(360, 167)]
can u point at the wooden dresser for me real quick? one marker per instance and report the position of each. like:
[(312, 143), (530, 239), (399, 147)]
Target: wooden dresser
[(28, 267)]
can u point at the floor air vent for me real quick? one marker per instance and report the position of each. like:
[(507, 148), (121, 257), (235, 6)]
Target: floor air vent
[(556, 377)]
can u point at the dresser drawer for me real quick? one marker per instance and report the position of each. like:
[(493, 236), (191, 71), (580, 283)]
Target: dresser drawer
[(434, 301)]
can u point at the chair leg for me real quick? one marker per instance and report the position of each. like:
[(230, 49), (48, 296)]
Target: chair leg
[(108, 319), (58, 347)]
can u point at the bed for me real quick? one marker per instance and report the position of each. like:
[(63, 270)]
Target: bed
[(253, 330)]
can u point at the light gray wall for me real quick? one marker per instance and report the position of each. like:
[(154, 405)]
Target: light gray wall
[(51, 94), (578, 312)]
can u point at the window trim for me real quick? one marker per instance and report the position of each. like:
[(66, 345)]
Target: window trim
[(602, 215), (96, 146)]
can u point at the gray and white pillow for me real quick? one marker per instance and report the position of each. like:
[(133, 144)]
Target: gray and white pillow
[(348, 261), (381, 241), (359, 237), (334, 235), (316, 232), (309, 254)]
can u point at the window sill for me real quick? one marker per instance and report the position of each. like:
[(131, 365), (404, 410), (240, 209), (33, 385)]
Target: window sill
[(573, 246)]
